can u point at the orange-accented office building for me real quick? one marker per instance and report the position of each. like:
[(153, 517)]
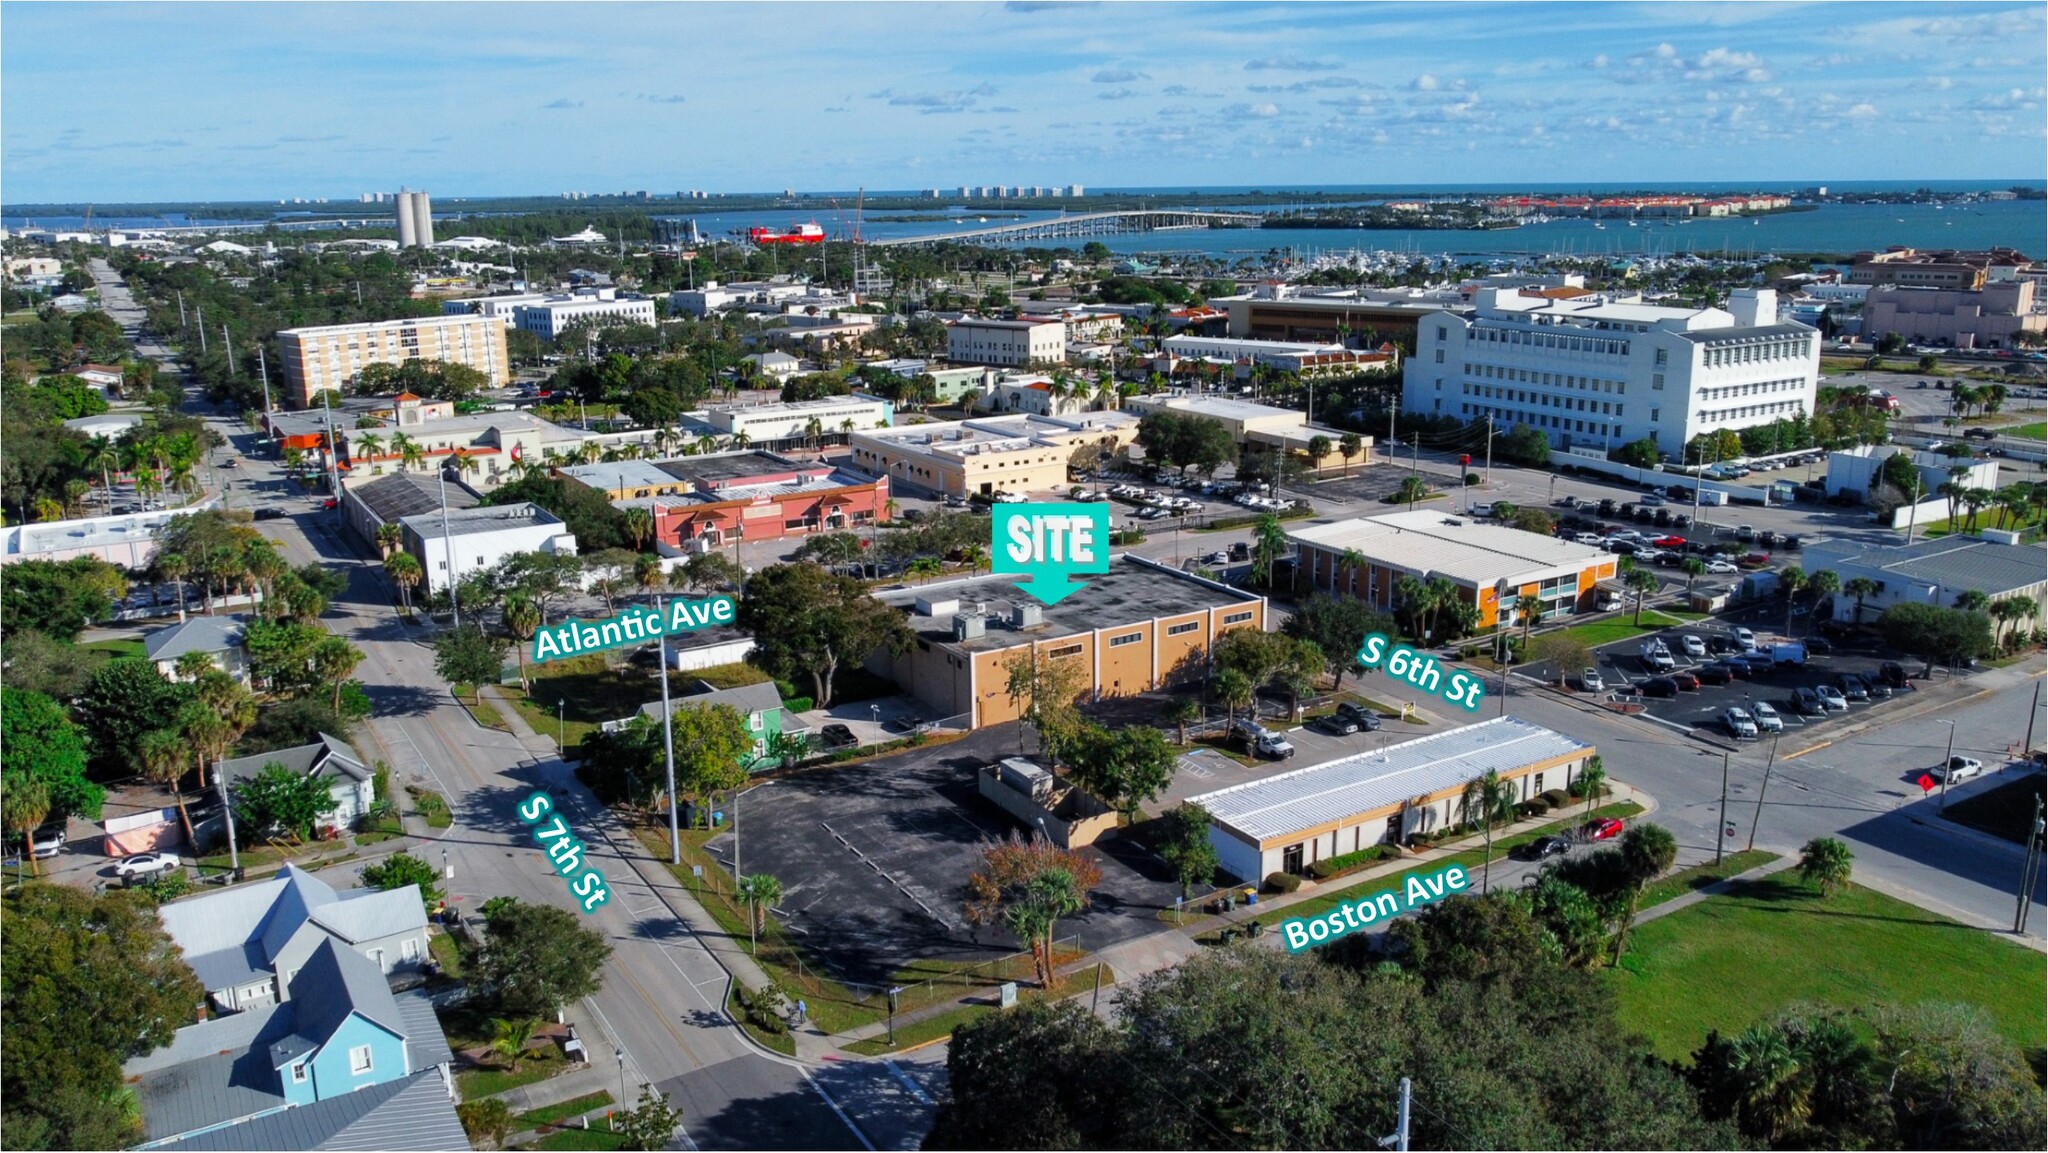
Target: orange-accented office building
[(1492, 565)]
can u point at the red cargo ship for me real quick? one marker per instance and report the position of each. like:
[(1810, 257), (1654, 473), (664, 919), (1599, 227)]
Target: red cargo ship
[(801, 234)]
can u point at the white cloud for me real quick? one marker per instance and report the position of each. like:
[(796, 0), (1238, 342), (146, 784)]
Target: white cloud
[(1863, 111), (1425, 83)]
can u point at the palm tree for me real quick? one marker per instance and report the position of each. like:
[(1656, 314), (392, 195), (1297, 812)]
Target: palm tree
[(206, 735), (1824, 863), (101, 456), (365, 446), (466, 464), (1182, 712), (1646, 853), (510, 1035), (1974, 500), (1860, 587), (410, 454), (1269, 541), (1823, 583), (173, 566), (1593, 778), (192, 666), (389, 536), (523, 618), (1694, 569), (333, 660), (2006, 610), (1348, 563), (161, 754), (262, 561), (405, 572), (1350, 445), (814, 430), (1233, 690), (706, 443), (1775, 1093), (24, 806), (1412, 490), (1793, 578), (926, 566), (1528, 610), (639, 525), (1641, 582), (759, 891), (1972, 600), (648, 574), (1488, 799), (739, 440)]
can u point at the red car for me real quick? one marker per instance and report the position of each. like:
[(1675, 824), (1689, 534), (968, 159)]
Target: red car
[(330, 502), (1687, 681), (1604, 829), (1669, 542)]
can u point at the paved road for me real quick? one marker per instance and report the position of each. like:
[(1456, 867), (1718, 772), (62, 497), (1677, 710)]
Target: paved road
[(1858, 788), (662, 994)]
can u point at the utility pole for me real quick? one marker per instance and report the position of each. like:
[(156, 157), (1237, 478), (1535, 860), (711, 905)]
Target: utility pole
[(263, 371), (333, 467), (668, 743), (199, 318), (182, 325), (2028, 870), (1721, 833), (1768, 765), (228, 342), (1489, 450), (221, 779), (447, 539), (1398, 1140), (2027, 746)]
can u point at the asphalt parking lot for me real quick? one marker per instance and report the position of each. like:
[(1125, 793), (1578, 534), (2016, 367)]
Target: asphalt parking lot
[(1367, 483), (1621, 664), (874, 858)]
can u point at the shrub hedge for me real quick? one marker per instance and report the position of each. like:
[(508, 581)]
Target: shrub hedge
[(1344, 863), (1282, 882)]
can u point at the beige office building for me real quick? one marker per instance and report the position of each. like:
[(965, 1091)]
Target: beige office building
[(328, 358), (1019, 454)]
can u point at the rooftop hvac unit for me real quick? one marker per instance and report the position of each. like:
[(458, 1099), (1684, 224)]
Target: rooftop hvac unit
[(937, 606), (1026, 777), (1029, 616), (968, 626)]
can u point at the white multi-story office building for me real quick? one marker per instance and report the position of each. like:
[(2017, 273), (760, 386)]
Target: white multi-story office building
[(550, 318), (1016, 343), (766, 424), (1588, 372)]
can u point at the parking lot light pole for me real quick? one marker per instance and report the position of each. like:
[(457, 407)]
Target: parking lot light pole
[(1721, 833), (1768, 765)]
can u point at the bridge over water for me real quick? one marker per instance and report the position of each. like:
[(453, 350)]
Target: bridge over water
[(1085, 224)]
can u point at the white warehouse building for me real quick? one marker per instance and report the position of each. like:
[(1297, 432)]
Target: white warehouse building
[(478, 538), (1588, 372)]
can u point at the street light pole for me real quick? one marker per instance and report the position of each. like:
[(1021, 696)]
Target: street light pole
[(447, 543), (1721, 832), (562, 727), (668, 743), (2029, 869), (1947, 766)]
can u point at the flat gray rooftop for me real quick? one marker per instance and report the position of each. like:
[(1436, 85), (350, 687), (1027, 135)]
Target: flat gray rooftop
[(728, 466), (1130, 592)]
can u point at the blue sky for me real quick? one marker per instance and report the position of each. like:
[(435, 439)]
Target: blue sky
[(120, 103)]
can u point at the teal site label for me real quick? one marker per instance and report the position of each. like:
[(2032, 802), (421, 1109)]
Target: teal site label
[(1422, 671), (631, 627), (1047, 542), (1308, 932), (564, 852)]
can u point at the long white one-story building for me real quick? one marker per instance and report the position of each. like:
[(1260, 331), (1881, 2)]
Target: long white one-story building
[(1286, 823)]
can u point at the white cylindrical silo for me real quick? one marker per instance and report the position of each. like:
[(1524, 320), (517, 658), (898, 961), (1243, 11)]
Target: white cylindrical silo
[(407, 230), (423, 219)]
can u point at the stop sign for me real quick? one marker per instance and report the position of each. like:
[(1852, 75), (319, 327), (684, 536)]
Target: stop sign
[(1466, 459)]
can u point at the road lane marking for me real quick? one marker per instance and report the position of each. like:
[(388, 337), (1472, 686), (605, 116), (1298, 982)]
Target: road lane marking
[(903, 1079), (853, 1128)]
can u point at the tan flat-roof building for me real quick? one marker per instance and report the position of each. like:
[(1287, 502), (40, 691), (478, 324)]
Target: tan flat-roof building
[(987, 455), (327, 358), (1135, 628), (1492, 566)]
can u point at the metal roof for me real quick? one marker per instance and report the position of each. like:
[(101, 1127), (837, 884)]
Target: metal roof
[(743, 699), (200, 634), (1381, 779), (473, 521), (1957, 563), (337, 981), (1132, 592), (330, 756), (1462, 548), (402, 494), (410, 1113)]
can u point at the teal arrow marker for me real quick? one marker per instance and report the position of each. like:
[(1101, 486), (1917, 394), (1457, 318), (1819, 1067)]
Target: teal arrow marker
[(1051, 590), (1047, 543)]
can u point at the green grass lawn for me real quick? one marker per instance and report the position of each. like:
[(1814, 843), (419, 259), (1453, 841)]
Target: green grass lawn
[(476, 1083), (917, 1033), (1733, 960), (1698, 877), (114, 649), (592, 694), (1621, 628), (2036, 431), (443, 949), (2005, 811), (598, 1137), (1470, 859), (431, 806), (552, 1114)]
